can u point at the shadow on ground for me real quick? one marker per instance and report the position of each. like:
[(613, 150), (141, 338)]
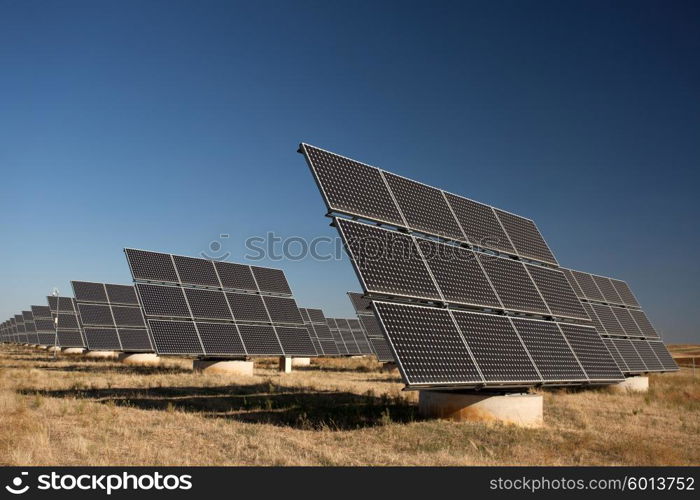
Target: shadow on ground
[(267, 403)]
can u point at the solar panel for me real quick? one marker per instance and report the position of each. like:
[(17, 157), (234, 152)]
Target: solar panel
[(41, 312), (587, 285), (648, 356), (248, 307), (125, 316), (360, 303), (429, 348), (295, 340), (616, 355), (480, 224), (594, 318), (235, 276), (95, 314), (317, 316), (496, 347), (387, 262), (70, 339), (630, 356), (221, 339), (664, 356), (102, 339), (165, 301), (271, 280), (208, 304), (194, 271), (351, 187), (151, 266), (61, 304), (424, 208), (134, 339), (573, 283), (607, 289), (458, 274), (513, 284), (625, 293), (526, 238), (549, 350), (283, 310), (260, 339), (557, 292), (121, 294), (175, 337), (591, 352), (608, 319), (644, 324), (627, 322), (89, 292)]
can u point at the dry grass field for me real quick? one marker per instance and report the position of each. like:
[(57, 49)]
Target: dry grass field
[(74, 411)]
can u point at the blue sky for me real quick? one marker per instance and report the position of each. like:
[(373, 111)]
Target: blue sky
[(163, 124)]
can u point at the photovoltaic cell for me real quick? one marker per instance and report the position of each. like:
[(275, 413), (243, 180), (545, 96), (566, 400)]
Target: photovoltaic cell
[(381, 349), (573, 283), (247, 307), (388, 262), (644, 324), (588, 287), (260, 339), (648, 356), (220, 338), (121, 294), (95, 315), (625, 293), (125, 316), (134, 339), (102, 339), (594, 318), (271, 280), (360, 303), (551, 354), (67, 321), (424, 208), (166, 301), (616, 355), (429, 347), (316, 315), (663, 355), (526, 237), (608, 319), (295, 341), (557, 292), (175, 337), (480, 224), (495, 345), (208, 304), (70, 339), (62, 304), (89, 292), (151, 266), (591, 352), (458, 274), (236, 276), (607, 289), (513, 284), (352, 187), (283, 310), (194, 271), (627, 322), (630, 356)]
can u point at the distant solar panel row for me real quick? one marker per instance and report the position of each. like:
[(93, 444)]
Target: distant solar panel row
[(393, 264), (357, 189), (440, 347), (111, 317), (316, 324), (349, 337), (206, 308), (371, 327), (64, 314)]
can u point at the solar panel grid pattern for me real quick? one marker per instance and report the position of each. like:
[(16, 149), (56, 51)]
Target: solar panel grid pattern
[(616, 354), (644, 324), (424, 208), (352, 187), (663, 355), (629, 354), (260, 339), (648, 356), (247, 307), (121, 294), (134, 339), (429, 347), (588, 287), (557, 292), (496, 348), (594, 318), (220, 338), (591, 352), (175, 337), (151, 266), (627, 322), (480, 224), (271, 280), (526, 237), (607, 289), (102, 339), (95, 314), (236, 276), (295, 340), (283, 310), (208, 304), (625, 293), (389, 262), (192, 271), (608, 319), (551, 354), (573, 283), (458, 274), (126, 316), (89, 292), (513, 284), (165, 301)]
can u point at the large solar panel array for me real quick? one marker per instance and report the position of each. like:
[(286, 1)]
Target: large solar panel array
[(321, 336), (466, 294), (65, 315), (111, 317), (370, 326), (44, 325), (205, 308), (349, 336), (631, 338)]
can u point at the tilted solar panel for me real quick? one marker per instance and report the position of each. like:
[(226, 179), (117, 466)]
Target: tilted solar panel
[(526, 238)]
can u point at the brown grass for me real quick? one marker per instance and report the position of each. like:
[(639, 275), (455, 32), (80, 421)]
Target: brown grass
[(337, 412)]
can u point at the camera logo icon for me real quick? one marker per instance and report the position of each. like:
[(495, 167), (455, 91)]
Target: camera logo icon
[(16, 488)]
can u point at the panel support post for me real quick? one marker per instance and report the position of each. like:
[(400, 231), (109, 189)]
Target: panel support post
[(285, 364)]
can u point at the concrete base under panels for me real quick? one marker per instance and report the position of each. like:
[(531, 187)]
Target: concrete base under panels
[(139, 358), (285, 365), (632, 384), (519, 409), (42, 347), (73, 350), (54, 348), (224, 367), (301, 361), (101, 354)]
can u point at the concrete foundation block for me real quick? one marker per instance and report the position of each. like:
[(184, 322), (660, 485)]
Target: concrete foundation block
[(73, 350), (285, 364), (139, 358), (54, 348), (42, 347), (518, 409), (301, 361), (224, 367), (632, 384), (101, 354)]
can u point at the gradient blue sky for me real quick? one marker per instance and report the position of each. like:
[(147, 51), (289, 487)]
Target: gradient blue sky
[(162, 124)]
